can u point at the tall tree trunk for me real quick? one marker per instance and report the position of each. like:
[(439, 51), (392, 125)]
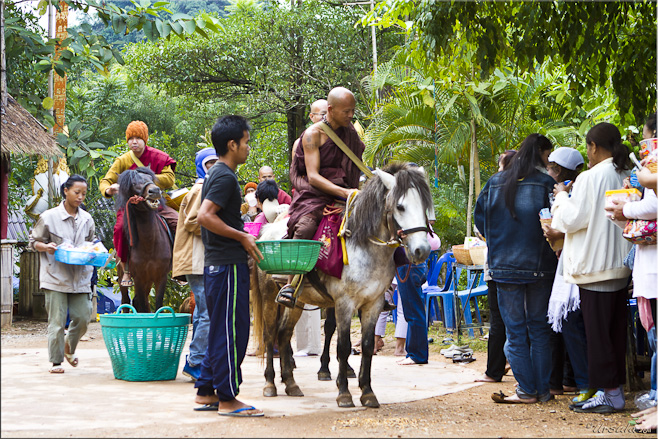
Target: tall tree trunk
[(295, 123), (478, 184), (471, 178)]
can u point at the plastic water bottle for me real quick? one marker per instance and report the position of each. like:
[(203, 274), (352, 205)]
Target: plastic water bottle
[(633, 180), (643, 401)]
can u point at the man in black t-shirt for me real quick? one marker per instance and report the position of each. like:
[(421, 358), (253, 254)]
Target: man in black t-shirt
[(226, 273)]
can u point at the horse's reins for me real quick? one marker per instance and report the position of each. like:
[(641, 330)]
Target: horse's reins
[(135, 199)]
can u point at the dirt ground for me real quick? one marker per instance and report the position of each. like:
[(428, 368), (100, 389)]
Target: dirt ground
[(469, 413)]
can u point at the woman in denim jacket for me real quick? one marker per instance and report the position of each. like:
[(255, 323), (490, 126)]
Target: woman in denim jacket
[(522, 264)]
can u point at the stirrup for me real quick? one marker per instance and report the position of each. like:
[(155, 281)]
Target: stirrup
[(286, 296)]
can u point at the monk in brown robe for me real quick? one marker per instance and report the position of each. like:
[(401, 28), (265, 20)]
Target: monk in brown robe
[(324, 171)]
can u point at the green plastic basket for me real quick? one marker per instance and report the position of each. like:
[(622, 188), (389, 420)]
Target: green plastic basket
[(144, 346), (289, 256)]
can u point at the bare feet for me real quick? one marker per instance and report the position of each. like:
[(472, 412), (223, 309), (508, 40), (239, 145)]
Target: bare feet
[(647, 420), (209, 399), (485, 379), (379, 343), (645, 412), (399, 347), (408, 362)]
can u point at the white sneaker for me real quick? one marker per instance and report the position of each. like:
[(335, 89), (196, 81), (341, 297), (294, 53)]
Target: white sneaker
[(451, 354), (448, 353), (451, 347)]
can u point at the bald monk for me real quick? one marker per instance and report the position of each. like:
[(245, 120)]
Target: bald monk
[(267, 173), (318, 112), (323, 172)]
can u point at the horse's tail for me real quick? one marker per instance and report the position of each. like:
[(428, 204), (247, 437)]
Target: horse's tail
[(257, 308)]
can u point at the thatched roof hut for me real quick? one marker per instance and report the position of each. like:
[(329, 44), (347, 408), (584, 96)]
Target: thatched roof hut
[(22, 133)]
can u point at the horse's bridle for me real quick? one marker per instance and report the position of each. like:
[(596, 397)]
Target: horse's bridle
[(135, 199)]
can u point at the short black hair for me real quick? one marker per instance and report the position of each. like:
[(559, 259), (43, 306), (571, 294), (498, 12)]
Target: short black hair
[(267, 190), (231, 127), (75, 178)]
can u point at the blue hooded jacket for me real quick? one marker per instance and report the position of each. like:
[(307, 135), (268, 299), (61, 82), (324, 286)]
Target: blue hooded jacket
[(202, 157)]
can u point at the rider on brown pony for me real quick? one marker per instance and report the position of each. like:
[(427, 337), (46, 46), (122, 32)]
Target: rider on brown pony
[(137, 134)]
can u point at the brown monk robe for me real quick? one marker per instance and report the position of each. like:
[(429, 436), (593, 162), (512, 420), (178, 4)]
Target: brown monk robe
[(309, 202)]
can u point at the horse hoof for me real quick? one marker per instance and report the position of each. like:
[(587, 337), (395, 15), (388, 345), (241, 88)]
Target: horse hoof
[(369, 400), (269, 391), (324, 376), (294, 391), (345, 401), (351, 373)]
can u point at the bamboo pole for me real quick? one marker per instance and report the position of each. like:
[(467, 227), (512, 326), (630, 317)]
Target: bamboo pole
[(3, 61), (51, 30)]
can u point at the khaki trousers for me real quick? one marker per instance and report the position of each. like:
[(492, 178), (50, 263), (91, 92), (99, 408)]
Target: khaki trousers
[(78, 306)]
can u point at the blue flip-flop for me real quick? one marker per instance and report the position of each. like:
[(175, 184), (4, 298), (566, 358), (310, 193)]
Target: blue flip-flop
[(240, 413), (213, 407)]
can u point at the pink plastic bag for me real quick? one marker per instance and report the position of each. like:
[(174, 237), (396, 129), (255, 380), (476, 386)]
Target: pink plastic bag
[(330, 260)]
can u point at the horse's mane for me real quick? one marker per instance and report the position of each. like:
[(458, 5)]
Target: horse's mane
[(373, 199), (127, 180)]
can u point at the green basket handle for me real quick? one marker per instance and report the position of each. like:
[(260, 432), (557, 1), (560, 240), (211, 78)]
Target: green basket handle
[(125, 305), (164, 308)]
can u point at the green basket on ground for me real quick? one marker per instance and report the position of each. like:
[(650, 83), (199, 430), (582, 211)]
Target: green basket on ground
[(289, 256), (145, 346)]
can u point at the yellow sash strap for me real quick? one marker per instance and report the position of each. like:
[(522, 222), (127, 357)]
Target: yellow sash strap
[(348, 213)]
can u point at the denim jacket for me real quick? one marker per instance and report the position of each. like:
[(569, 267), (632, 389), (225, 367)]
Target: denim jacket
[(518, 251)]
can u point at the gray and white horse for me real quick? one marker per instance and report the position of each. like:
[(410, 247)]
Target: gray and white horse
[(389, 210)]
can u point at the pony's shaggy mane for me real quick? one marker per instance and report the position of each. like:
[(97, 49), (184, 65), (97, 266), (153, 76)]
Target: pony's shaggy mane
[(374, 199)]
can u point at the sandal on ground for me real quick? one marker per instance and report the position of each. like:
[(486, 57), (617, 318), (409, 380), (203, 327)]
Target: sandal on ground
[(286, 296), (244, 412), (464, 357), (212, 407), (501, 398), (71, 358), (56, 369), (127, 283)]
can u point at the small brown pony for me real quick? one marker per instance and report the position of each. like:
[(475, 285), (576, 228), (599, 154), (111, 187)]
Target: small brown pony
[(146, 231)]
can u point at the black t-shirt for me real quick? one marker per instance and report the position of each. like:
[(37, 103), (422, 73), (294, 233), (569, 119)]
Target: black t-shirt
[(222, 188)]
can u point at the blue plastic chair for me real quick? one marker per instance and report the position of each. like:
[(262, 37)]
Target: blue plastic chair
[(433, 291), (478, 290), (446, 307)]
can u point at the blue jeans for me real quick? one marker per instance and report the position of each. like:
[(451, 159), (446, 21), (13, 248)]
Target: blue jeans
[(575, 342), (414, 310), (524, 308), (200, 321)]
